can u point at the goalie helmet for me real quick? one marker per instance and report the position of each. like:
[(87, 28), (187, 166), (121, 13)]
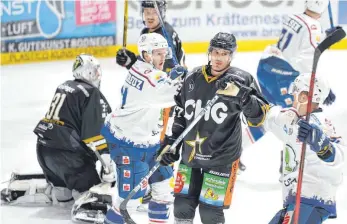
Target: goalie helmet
[(87, 68), (302, 84), (316, 6), (150, 4), (226, 41), (152, 41)]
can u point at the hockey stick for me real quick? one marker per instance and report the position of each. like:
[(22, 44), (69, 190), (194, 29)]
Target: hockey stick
[(330, 16), (125, 25), (93, 148), (174, 57), (144, 181), (333, 38)]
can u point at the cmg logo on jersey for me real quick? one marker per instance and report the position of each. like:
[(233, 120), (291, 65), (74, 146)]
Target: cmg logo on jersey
[(134, 81), (217, 112)]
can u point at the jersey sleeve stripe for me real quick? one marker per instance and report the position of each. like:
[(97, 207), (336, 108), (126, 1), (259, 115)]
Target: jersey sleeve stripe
[(101, 147), (144, 76), (308, 28)]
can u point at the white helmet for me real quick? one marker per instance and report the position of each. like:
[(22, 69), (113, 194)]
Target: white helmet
[(151, 41), (87, 68), (302, 83), (316, 6)]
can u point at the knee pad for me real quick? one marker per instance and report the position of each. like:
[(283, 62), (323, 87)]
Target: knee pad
[(210, 215), (129, 176), (162, 192), (184, 208)]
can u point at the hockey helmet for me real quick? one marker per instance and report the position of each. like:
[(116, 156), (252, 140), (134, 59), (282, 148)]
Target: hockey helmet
[(226, 41), (151, 41), (150, 4), (87, 68), (302, 84), (316, 6)]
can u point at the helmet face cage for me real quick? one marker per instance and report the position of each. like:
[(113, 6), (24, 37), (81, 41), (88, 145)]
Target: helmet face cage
[(150, 4)]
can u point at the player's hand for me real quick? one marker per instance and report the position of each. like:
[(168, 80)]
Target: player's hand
[(125, 58), (178, 72), (233, 90), (165, 157), (313, 135), (108, 174)]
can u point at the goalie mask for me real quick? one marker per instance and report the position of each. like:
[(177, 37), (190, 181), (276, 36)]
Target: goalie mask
[(87, 68)]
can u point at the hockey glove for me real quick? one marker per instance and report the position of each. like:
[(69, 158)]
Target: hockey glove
[(233, 91), (168, 157), (125, 58), (107, 175), (314, 136), (178, 71)]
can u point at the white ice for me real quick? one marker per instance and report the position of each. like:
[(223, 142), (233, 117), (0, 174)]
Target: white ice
[(26, 92)]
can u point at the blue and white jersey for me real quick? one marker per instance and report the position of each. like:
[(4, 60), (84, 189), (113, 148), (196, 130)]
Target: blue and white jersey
[(145, 92), (321, 179), (300, 36)]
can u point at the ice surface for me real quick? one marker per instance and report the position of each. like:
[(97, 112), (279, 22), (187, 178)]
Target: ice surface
[(26, 92)]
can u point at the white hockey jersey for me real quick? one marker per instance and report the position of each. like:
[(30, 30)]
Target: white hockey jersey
[(300, 36), (145, 92), (321, 179)]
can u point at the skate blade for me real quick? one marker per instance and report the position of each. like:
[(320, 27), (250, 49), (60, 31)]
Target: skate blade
[(89, 216)]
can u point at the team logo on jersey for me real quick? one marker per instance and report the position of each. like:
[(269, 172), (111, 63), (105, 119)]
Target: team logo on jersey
[(313, 27), (218, 111), (126, 187), (125, 160), (134, 81), (290, 160), (126, 173), (195, 144)]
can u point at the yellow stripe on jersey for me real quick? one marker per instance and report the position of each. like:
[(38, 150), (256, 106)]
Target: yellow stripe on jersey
[(265, 108), (101, 147), (208, 78), (93, 139)]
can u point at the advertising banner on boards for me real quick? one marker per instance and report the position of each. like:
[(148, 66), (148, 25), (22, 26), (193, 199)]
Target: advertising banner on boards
[(40, 30)]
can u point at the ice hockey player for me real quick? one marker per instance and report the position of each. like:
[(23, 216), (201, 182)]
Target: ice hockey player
[(292, 55), (211, 150), (72, 122), (132, 131), (324, 156), (152, 24)]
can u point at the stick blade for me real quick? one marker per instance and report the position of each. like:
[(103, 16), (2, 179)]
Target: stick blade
[(331, 39)]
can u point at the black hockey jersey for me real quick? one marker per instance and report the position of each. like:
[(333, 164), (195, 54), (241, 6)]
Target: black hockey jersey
[(175, 40), (216, 138), (74, 118)]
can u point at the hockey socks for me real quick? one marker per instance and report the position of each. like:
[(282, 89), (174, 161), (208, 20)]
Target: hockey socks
[(158, 212)]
